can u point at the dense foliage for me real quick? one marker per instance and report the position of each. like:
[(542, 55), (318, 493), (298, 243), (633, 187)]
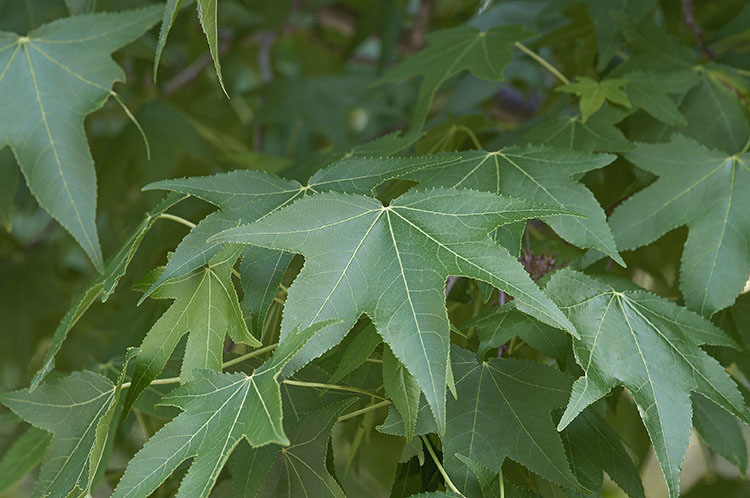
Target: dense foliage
[(433, 248)]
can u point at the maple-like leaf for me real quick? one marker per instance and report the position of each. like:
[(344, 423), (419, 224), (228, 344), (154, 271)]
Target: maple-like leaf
[(544, 175), (707, 191), (219, 410), (78, 410), (593, 93), (503, 411), (402, 389), (207, 13), (391, 262), (450, 51), (571, 133), (635, 339), (50, 80), (720, 431), (650, 91), (205, 306)]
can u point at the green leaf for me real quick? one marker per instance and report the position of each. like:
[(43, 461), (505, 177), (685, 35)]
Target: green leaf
[(25, 453), (297, 470), (50, 80), (450, 51), (592, 448), (391, 263), (571, 133), (496, 326), (720, 431), (503, 411), (705, 190), (651, 346), (8, 187), (207, 11), (78, 410), (649, 91), (593, 94), (402, 389), (356, 352), (103, 285), (218, 411), (205, 306), (541, 174)]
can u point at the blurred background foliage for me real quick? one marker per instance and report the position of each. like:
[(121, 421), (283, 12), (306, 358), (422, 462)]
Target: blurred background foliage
[(300, 77)]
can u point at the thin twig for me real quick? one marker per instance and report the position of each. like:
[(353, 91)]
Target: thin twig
[(549, 67), (689, 18), (448, 483), (366, 409), (178, 219), (336, 387)]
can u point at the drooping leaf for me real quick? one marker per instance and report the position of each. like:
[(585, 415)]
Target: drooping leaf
[(450, 51), (207, 12), (703, 189), (593, 93), (391, 263), (632, 338), (50, 80), (78, 410), (205, 306), (720, 431), (402, 389), (544, 175), (25, 454), (357, 352), (503, 411), (594, 447), (218, 411), (102, 286)]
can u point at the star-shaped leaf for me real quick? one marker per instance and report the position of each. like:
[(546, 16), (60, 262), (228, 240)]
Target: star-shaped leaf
[(593, 93), (541, 174), (206, 306), (650, 91), (391, 262), (78, 410), (219, 410), (503, 411), (450, 51), (635, 339), (50, 80), (571, 133), (707, 191)]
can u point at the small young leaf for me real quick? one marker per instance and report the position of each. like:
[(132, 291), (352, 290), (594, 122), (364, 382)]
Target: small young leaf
[(593, 94)]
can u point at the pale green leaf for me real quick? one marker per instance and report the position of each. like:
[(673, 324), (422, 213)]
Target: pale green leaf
[(391, 262), (50, 80), (706, 190), (632, 338), (593, 93), (218, 411), (205, 306), (503, 411), (78, 410)]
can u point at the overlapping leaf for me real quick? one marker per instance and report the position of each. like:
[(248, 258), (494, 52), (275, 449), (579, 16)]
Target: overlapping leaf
[(451, 51), (503, 411), (205, 306), (219, 410), (635, 339), (541, 174), (705, 190), (50, 80), (593, 93), (78, 410), (650, 91), (391, 263)]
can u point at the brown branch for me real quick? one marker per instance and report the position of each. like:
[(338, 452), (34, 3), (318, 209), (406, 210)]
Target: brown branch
[(689, 19)]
